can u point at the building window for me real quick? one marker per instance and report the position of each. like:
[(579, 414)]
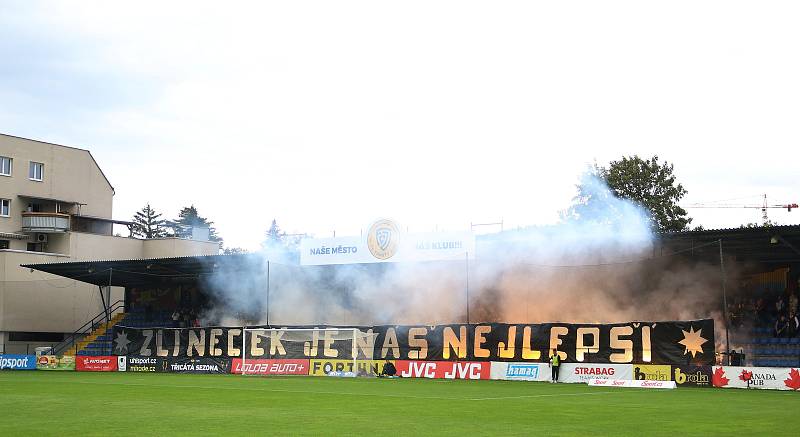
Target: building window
[(5, 244), (35, 247), (5, 207), (36, 171), (5, 166)]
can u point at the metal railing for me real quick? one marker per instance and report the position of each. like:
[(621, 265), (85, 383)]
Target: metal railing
[(73, 339)]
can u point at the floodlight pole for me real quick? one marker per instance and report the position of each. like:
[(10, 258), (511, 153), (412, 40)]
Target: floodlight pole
[(725, 305), (466, 281), (268, 293)]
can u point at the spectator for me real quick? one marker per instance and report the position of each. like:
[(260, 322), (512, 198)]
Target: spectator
[(781, 327), (759, 310), (779, 305), (388, 369), (176, 316), (793, 325), (792, 307)]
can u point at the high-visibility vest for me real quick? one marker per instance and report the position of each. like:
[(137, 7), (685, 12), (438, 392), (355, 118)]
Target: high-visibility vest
[(556, 360)]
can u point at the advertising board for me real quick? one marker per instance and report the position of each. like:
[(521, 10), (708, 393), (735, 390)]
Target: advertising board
[(270, 367), (443, 369), (636, 383), (362, 367), (18, 362), (520, 371), (772, 378), (96, 364), (53, 362), (583, 373)]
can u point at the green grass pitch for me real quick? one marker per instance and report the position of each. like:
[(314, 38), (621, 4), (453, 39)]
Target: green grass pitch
[(120, 404)]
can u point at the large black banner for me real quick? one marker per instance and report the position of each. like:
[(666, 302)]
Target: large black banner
[(676, 343)]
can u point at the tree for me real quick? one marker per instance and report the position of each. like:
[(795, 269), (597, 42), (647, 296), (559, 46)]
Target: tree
[(147, 223), (652, 185), (767, 224), (234, 251), (274, 236), (188, 219)]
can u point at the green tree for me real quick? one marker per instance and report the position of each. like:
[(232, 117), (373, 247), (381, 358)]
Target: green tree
[(652, 185), (767, 224), (188, 218), (274, 236), (234, 251), (147, 223)]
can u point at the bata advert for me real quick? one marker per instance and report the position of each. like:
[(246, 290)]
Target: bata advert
[(689, 343)]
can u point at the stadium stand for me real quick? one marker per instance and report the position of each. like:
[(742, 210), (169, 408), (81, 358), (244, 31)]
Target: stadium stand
[(100, 342)]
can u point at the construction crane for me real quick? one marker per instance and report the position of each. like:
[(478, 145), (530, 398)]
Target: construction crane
[(764, 206)]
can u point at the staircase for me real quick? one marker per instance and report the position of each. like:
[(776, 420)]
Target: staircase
[(94, 337), (98, 341)]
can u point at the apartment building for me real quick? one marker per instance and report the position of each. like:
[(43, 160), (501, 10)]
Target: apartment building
[(56, 206)]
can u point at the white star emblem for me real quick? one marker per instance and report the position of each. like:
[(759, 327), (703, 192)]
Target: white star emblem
[(122, 342)]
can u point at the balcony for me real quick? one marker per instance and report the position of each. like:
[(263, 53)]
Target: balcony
[(45, 222)]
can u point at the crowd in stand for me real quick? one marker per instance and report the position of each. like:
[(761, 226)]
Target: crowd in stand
[(185, 317), (787, 323), (780, 313)]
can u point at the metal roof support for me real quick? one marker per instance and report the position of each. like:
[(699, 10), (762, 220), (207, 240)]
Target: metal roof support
[(788, 244), (725, 305)]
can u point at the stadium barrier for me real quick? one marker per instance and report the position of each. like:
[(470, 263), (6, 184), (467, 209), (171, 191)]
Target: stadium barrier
[(683, 376), (270, 367), (583, 373), (96, 364), (692, 376), (363, 367), (18, 362), (53, 362), (636, 383), (771, 378), (444, 369), (520, 371), (774, 378)]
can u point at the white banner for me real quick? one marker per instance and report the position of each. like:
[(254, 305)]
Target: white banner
[(520, 371), (631, 384), (385, 243), (583, 373), (772, 378)]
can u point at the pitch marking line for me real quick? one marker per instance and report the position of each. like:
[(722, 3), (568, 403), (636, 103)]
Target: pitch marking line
[(544, 395), (387, 395)]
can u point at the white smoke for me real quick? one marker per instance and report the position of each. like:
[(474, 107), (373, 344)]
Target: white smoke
[(597, 265)]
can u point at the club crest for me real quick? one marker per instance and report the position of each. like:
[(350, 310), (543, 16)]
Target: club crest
[(383, 239)]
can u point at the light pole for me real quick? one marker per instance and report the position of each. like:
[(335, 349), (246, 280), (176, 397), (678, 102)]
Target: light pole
[(725, 304)]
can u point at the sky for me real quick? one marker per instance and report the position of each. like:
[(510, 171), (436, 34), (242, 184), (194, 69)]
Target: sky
[(438, 114)]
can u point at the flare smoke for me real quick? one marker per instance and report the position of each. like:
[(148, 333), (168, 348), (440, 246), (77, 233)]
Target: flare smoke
[(597, 265)]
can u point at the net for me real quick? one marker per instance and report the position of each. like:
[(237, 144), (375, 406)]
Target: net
[(304, 351)]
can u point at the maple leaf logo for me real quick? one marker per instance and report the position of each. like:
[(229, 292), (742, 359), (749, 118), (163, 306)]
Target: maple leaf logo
[(793, 382), (719, 379), (746, 376)]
